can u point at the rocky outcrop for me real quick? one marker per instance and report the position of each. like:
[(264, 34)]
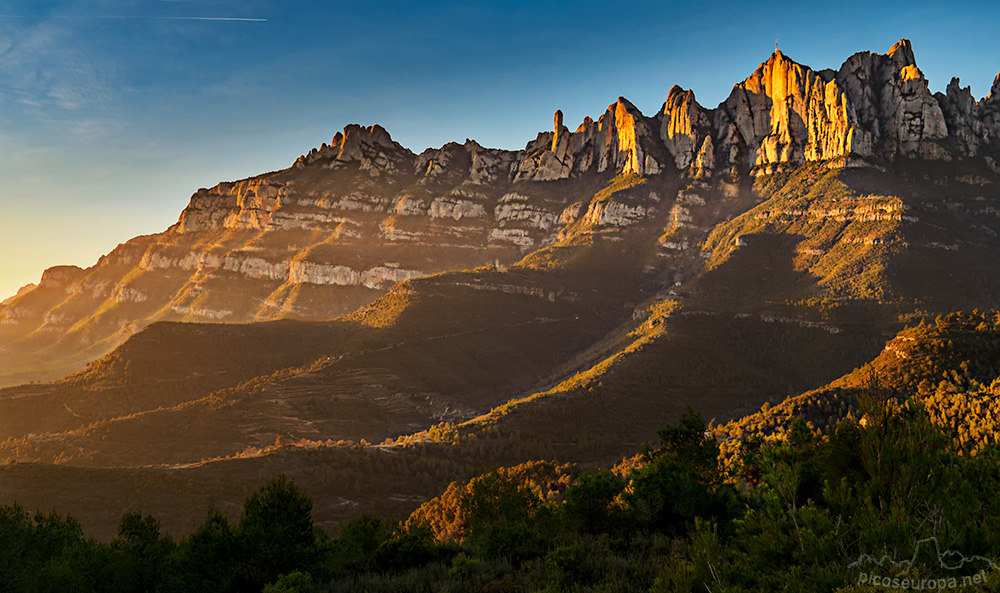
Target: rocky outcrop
[(255, 267), (61, 276), (488, 165), (371, 148), (861, 209), (613, 213), (895, 114), (552, 156), (244, 204), (620, 140), (876, 107), (469, 163), (786, 113), (456, 208), (972, 125), (627, 145), (20, 292), (514, 207), (686, 133)]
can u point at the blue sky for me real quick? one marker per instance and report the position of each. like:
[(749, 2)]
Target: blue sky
[(113, 112)]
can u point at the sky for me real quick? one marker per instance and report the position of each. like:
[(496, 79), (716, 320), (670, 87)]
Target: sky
[(113, 112)]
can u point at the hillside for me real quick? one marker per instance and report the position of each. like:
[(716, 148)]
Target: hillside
[(888, 498), (951, 366)]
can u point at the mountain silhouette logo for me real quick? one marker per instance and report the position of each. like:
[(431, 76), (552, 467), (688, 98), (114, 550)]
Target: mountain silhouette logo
[(954, 569)]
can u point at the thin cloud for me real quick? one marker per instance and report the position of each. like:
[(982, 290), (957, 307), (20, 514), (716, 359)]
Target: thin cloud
[(41, 67)]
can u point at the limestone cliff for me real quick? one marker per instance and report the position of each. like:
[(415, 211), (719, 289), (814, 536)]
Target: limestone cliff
[(875, 107), (620, 140), (786, 113), (686, 132), (896, 114)]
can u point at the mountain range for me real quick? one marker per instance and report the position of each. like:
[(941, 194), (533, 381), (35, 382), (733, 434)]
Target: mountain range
[(379, 323)]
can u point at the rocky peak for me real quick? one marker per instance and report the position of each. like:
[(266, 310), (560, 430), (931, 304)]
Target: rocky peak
[(994, 96), (778, 77), (560, 131), (356, 139), (625, 140), (958, 96), (972, 123), (786, 113), (468, 163), (684, 127), (61, 276), (875, 106), (27, 288), (896, 113), (488, 164), (435, 162), (957, 105), (371, 147), (902, 54), (620, 140), (986, 116)]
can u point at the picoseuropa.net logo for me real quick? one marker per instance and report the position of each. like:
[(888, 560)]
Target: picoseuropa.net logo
[(948, 569)]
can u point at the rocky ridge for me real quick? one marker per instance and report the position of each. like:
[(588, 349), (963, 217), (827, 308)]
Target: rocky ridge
[(875, 108), (353, 217)]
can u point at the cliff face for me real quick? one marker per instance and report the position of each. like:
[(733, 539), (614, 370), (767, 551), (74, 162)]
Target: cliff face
[(686, 132), (620, 140), (875, 108), (353, 217), (786, 113)]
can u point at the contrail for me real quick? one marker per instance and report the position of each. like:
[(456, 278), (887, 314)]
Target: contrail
[(151, 18), (184, 18)]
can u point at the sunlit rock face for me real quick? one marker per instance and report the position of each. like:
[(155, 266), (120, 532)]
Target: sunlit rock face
[(620, 140), (876, 107), (686, 132), (787, 113)]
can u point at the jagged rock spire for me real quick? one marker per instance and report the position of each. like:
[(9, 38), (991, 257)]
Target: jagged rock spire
[(876, 106)]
